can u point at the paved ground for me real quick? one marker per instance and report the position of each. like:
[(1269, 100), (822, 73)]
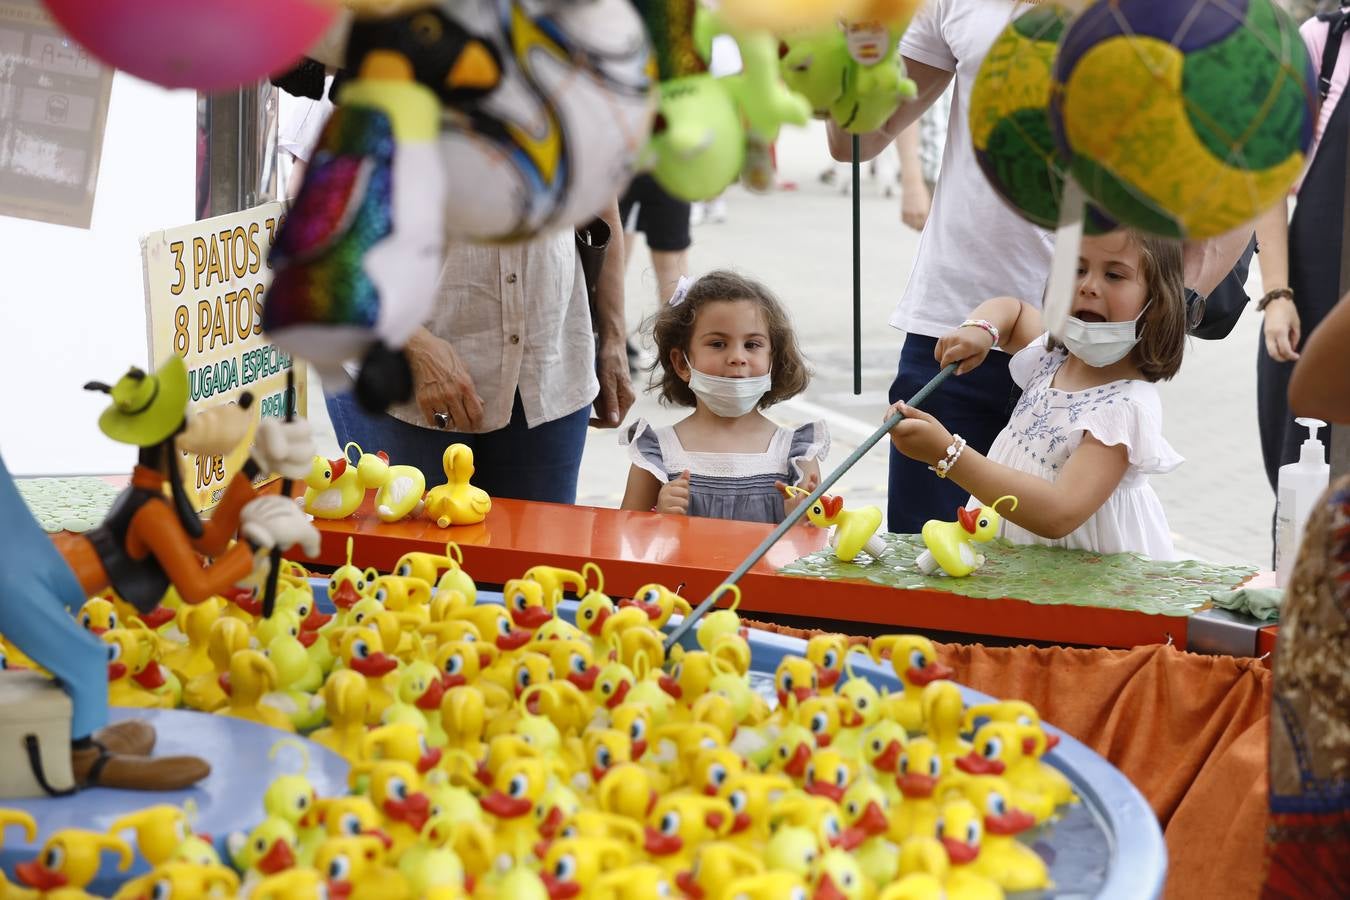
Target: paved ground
[(1218, 503)]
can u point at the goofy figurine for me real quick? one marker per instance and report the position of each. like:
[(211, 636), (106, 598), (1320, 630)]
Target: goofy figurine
[(149, 541)]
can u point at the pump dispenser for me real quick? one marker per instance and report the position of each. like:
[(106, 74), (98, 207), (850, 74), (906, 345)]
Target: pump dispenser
[(1300, 485)]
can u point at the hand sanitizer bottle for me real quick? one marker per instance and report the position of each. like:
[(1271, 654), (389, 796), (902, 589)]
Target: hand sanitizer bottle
[(1300, 484)]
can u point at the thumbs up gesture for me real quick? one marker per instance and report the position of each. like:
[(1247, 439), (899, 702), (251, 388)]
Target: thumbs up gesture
[(674, 496)]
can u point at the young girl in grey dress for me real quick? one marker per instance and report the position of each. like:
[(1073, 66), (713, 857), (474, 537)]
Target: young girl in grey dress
[(725, 347)]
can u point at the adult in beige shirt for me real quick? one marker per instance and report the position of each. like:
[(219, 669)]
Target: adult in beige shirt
[(509, 364)]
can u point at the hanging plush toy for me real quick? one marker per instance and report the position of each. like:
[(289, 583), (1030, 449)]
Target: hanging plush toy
[(561, 136), (357, 261), (699, 139), (851, 73)]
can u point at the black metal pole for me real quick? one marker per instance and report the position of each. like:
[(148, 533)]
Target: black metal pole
[(857, 270)]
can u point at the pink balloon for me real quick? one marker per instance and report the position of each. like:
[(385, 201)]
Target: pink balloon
[(209, 45)]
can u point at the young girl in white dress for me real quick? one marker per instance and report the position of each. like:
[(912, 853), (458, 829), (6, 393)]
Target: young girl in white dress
[(724, 346), (1087, 431)]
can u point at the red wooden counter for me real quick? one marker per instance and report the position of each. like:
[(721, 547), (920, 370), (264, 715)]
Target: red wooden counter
[(637, 548)]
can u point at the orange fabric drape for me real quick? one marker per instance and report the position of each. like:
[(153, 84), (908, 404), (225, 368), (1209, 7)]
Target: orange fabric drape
[(1190, 731)]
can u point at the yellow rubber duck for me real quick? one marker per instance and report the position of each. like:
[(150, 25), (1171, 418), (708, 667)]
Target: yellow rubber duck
[(298, 675), (823, 717), (356, 868), (517, 786), (926, 873), (943, 714), (69, 860), (253, 675), (573, 658), (792, 750), (182, 879), (711, 769), (1013, 751), (793, 849), (659, 603), (828, 774), (1019, 711), (135, 676), (193, 658), (417, 701), (680, 824), (529, 603), (457, 502), (914, 659), (867, 825), (592, 612), (346, 704), (97, 615), (395, 789), (827, 652), (572, 865), (919, 770), (347, 585), (333, 488), (882, 745), (361, 650), (715, 866), (204, 692), (962, 834), (555, 581), (717, 622), (795, 677), (160, 831), (751, 796), (855, 530), (628, 790), (398, 489), (951, 545), (840, 877), (1007, 862), (494, 624)]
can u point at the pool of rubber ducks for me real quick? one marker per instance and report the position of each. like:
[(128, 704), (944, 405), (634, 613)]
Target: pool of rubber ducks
[(519, 745)]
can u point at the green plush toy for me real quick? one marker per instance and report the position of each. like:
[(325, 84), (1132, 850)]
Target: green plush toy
[(855, 78), (703, 124)]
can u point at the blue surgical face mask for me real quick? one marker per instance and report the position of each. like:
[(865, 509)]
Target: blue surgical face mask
[(729, 398), (1100, 344)]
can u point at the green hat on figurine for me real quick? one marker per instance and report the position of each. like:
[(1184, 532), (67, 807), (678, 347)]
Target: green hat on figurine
[(146, 409)]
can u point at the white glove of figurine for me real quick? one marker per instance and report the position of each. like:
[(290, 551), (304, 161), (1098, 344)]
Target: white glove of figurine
[(275, 521), (286, 448)]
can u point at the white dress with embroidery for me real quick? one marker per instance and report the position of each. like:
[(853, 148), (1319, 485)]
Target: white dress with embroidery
[(1048, 425), (729, 485)]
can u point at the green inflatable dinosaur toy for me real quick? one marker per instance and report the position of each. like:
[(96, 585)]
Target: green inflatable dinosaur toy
[(856, 78), (703, 124)]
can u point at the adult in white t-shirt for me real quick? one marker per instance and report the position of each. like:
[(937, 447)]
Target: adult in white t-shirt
[(973, 247)]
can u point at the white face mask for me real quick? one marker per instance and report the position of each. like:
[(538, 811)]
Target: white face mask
[(729, 398), (1100, 344)]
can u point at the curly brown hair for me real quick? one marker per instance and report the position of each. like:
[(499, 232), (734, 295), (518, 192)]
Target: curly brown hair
[(673, 329)]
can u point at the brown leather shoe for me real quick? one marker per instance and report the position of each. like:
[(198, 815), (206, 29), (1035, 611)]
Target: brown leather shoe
[(130, 737), (96, 766)]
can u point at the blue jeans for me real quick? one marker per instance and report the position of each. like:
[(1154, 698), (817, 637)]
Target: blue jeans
[(518, 462), (975, 405), (39, 596)]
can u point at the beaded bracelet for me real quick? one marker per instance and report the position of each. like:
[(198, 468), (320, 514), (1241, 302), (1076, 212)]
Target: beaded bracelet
[(954, 451), (985, 326)]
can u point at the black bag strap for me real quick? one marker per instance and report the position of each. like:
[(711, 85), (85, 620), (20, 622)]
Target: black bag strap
[(30, 743), (1337, 23)]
